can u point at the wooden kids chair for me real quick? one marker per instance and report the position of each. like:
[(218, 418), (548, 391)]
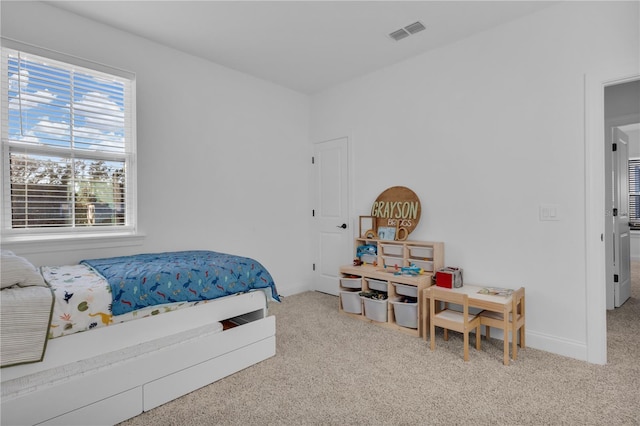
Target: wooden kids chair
[(515, 324), (448, 319)]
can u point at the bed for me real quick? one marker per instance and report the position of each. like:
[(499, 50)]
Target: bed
[(95, 369)]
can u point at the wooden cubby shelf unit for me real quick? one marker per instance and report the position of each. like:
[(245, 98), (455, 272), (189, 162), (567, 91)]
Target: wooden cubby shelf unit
[(427, 255)]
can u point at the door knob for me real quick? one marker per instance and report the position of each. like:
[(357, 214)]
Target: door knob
[(343, 226)]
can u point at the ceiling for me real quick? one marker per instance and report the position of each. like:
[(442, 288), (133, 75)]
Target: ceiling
[(306, 46)]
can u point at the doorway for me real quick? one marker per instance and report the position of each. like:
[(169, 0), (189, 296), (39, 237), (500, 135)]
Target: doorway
[(594, 207), (621, 121), (332, 235)]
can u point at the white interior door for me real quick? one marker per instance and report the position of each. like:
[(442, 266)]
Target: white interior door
[(333, 239), (621, 231)]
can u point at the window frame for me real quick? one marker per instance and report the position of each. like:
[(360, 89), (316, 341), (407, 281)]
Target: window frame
[(71, 233), (634, 220)]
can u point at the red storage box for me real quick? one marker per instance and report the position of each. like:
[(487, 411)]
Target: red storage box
[(449, 277)]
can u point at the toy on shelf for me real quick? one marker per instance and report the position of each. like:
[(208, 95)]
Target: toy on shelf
[(365, 249), (412, 270), (359, 262), (367, 253)]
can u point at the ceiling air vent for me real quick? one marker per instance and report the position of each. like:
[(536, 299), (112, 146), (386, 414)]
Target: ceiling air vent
[(399, 34), (405, 32), (416, 27)]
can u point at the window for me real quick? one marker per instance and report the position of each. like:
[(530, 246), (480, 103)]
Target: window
[(634, 193), (68, 147)]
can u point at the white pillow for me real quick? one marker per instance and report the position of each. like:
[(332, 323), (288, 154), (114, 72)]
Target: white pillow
[(16, 270)]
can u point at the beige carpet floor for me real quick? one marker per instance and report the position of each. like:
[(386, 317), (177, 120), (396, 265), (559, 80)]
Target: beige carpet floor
[(333, 370)]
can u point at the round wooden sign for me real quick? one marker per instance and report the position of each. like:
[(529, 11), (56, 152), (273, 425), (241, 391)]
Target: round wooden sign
[(396, 212)]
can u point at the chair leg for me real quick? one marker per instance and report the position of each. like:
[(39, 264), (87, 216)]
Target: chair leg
[(478, 337), (433, 337), (519, 333), (505, 360), (487, 332), (446, 334), (514, 344), (466, 346)]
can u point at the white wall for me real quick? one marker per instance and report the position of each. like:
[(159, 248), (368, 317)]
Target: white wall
[(634, 143), (485, 131), (222, 157)]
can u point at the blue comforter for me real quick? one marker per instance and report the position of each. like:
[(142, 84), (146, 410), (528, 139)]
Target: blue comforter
[(145, 280)]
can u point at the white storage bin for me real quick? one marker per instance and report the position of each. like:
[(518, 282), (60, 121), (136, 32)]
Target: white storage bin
[(351, 302), (405, 313), (426, 265), (351, 282), (377, 285), (369, 258), (392, 249), (393, 261), (421, 252), (406, 290), (375, 310)]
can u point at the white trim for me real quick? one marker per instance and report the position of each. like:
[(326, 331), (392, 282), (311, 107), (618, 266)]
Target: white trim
[(596, 319), (554, 344), (68, 59), (64, 234), (59, 242)]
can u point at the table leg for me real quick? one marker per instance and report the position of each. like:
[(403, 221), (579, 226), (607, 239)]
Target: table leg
[(514, 339), (506, 336), (425, 317), (432, 328)]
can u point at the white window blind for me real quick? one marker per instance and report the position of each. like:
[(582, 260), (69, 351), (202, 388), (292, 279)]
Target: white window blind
[(68, 146), (634, 193)]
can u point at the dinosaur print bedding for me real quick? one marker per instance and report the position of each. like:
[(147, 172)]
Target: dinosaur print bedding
[(83, 301), (144, 280), (101, 292)]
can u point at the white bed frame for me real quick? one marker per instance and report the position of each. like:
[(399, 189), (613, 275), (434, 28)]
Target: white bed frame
[(108, 394)]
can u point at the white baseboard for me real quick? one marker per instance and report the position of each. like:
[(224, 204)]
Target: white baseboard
[(548, 343), (556, 345), (290, 290)]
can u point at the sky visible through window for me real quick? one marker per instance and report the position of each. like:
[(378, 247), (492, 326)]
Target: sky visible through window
[(66, 133), (60, 107)]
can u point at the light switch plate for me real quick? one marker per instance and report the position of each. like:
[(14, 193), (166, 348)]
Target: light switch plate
[(549, 212)]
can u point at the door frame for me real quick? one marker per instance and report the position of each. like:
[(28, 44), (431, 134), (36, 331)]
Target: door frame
[(595, 271), (350, 202)]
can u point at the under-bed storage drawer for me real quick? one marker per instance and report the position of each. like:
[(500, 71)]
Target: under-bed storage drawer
[(239, 348), (54, 402), (115, 409)]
